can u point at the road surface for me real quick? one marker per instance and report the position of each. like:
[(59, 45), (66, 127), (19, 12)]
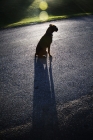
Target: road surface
[(32, 90)]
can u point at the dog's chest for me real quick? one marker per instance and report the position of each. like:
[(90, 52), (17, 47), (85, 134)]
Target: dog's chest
[(46, 39)]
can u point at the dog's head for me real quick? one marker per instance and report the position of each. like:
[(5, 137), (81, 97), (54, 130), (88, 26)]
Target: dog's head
[(52, 28)]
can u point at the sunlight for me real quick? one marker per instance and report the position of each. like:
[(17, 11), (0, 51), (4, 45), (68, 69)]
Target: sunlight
[(43, 16), (43, 5)]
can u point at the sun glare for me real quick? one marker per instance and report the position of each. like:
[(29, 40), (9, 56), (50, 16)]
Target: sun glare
[(43, 5), (43, 16)]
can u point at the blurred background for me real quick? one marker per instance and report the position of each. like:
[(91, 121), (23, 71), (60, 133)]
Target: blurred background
[(14, 10)]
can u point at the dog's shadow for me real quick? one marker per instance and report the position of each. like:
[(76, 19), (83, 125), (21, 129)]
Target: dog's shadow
[(45, 121)]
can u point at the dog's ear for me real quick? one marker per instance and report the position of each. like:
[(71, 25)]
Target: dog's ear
[(50, 25)]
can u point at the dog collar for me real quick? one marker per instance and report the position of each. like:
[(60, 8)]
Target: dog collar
[(49, 34)]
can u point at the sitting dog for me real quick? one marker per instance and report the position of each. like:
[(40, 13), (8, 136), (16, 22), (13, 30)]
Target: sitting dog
[(45, 41)]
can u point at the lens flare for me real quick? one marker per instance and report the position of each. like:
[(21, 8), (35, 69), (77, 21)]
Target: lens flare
[(43, 5), (43, 16)]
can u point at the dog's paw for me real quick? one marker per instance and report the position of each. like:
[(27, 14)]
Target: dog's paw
[(35, 54), (50, 55)]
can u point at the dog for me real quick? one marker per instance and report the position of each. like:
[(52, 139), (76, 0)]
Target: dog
[(45, 41)]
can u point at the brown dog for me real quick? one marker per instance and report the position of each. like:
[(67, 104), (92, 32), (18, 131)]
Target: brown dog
[(45, 41)]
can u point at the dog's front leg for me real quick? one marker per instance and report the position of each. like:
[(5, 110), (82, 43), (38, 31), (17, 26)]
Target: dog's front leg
[(49, 51)]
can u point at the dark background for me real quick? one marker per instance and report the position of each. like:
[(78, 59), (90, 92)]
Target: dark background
[(14, 10)]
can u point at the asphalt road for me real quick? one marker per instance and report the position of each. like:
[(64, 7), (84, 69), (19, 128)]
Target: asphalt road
[(31, 90)]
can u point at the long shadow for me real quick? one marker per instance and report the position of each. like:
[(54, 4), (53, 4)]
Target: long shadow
[(45, 121)]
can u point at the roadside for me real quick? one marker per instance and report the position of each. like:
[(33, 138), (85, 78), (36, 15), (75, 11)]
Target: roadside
[(26, 13), (75, 120), (35, 20)]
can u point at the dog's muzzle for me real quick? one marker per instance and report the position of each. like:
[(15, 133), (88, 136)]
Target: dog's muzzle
[(56, 29)]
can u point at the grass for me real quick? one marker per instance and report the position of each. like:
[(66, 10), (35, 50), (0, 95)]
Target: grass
[(27, 21), (34, 20), (32, 11)]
